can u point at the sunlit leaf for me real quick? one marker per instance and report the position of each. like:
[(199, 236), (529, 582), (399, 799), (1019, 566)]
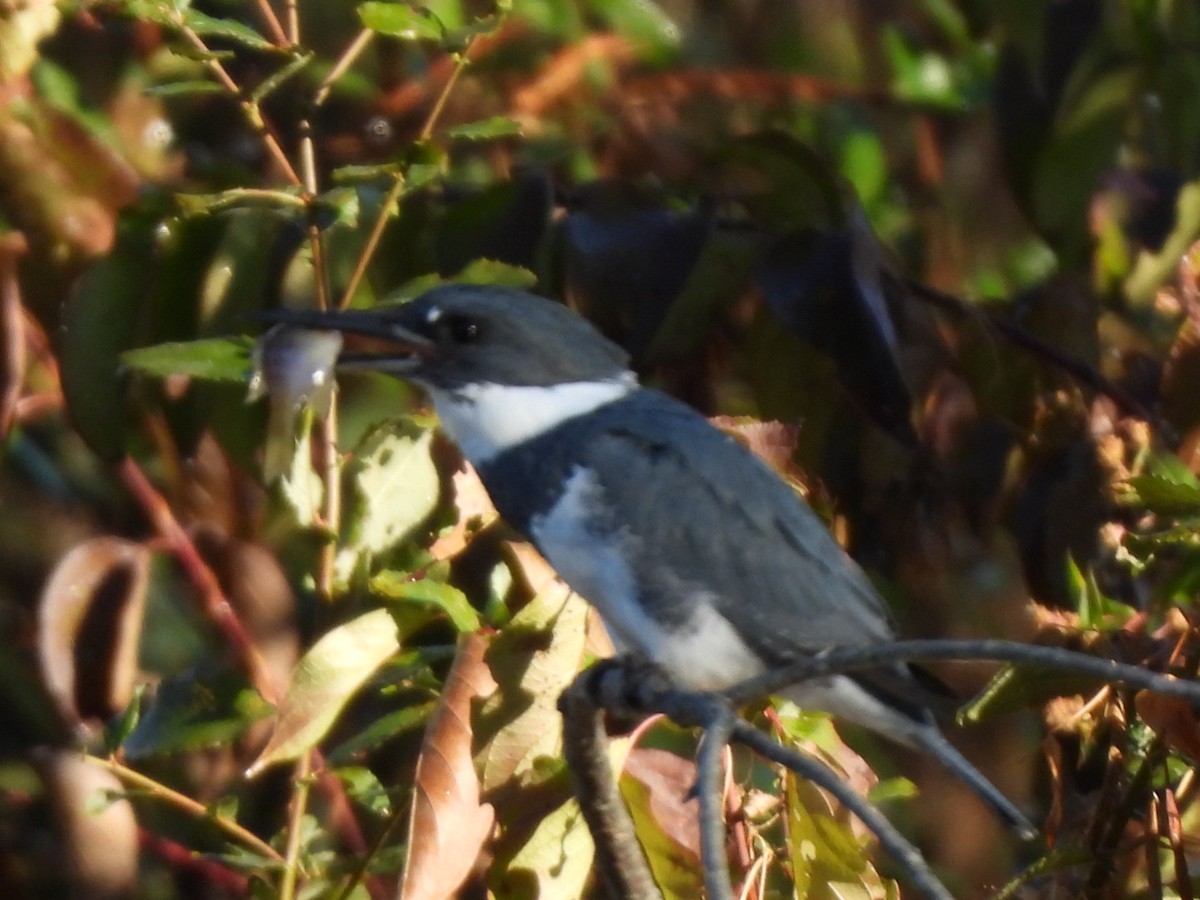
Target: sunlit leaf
[(533, 659), (656, 785), (211, 359), (396, 586), (393, 487), (96, 838), (324, 680), (449, 823)]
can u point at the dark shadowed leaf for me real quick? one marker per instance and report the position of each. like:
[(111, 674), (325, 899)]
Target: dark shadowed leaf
[(201, 707), (324, 680), (89, 624), (449, 823)]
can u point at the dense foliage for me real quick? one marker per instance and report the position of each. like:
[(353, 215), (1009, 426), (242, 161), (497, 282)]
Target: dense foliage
[(934, 259)]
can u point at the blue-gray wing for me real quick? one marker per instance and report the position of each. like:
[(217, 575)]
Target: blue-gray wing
[(702, 509)]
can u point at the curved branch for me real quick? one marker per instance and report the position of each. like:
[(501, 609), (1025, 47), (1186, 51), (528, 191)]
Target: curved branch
[(836, 660)]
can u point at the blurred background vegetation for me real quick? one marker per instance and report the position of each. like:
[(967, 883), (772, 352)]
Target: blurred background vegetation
[(934, 259)]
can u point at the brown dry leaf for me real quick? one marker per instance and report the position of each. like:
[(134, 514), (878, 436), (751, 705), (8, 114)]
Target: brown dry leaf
[(449, 825), (475, 511), (773, 442), (99, 839), (89, 623), (1173, 720), (669, 778)]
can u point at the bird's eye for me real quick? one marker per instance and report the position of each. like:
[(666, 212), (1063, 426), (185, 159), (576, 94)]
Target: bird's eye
[(462, 330)]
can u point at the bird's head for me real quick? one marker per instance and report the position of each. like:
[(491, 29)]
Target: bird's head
[(458, 335)]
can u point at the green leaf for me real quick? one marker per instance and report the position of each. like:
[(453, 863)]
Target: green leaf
[(490, 271), (325, 679), (383, 729), (642, 21), (183, 89), (268, 87), (400, 21), (207, 26), (1096, 611), (118, 729), (485, 129), (1016, 688), (393, 488), (1166, 487), (211, 359), (397, 586), (199, 707), (556, 860), (365, 789)]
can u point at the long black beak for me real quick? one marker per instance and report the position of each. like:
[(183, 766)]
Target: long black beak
[(383, 338)]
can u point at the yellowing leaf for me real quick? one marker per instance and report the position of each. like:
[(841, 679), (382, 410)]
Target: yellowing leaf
[(557, 858), (394, 486), (326, 677)]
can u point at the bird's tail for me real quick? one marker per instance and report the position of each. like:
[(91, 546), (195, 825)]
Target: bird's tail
[(934, 743)]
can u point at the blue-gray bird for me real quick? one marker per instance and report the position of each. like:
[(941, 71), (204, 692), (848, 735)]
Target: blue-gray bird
[(698, 557)]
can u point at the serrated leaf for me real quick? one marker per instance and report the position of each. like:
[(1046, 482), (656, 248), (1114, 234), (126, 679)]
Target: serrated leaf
[(324, 680), (449, 823), (238, 32), (194, 709), (396, 586), (211, 359), (400, 21), (1162, 494), (486, 129)]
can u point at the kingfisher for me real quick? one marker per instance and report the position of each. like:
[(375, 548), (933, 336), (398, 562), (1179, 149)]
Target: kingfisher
[(699, 558)]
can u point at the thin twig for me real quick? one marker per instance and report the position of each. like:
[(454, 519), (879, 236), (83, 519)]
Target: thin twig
[(212, 598), (903, 852), (249, 108), (299, 804), (360, 43), (397, 188), (272, 22), (137, 781), (842, 659), (710, 783)]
